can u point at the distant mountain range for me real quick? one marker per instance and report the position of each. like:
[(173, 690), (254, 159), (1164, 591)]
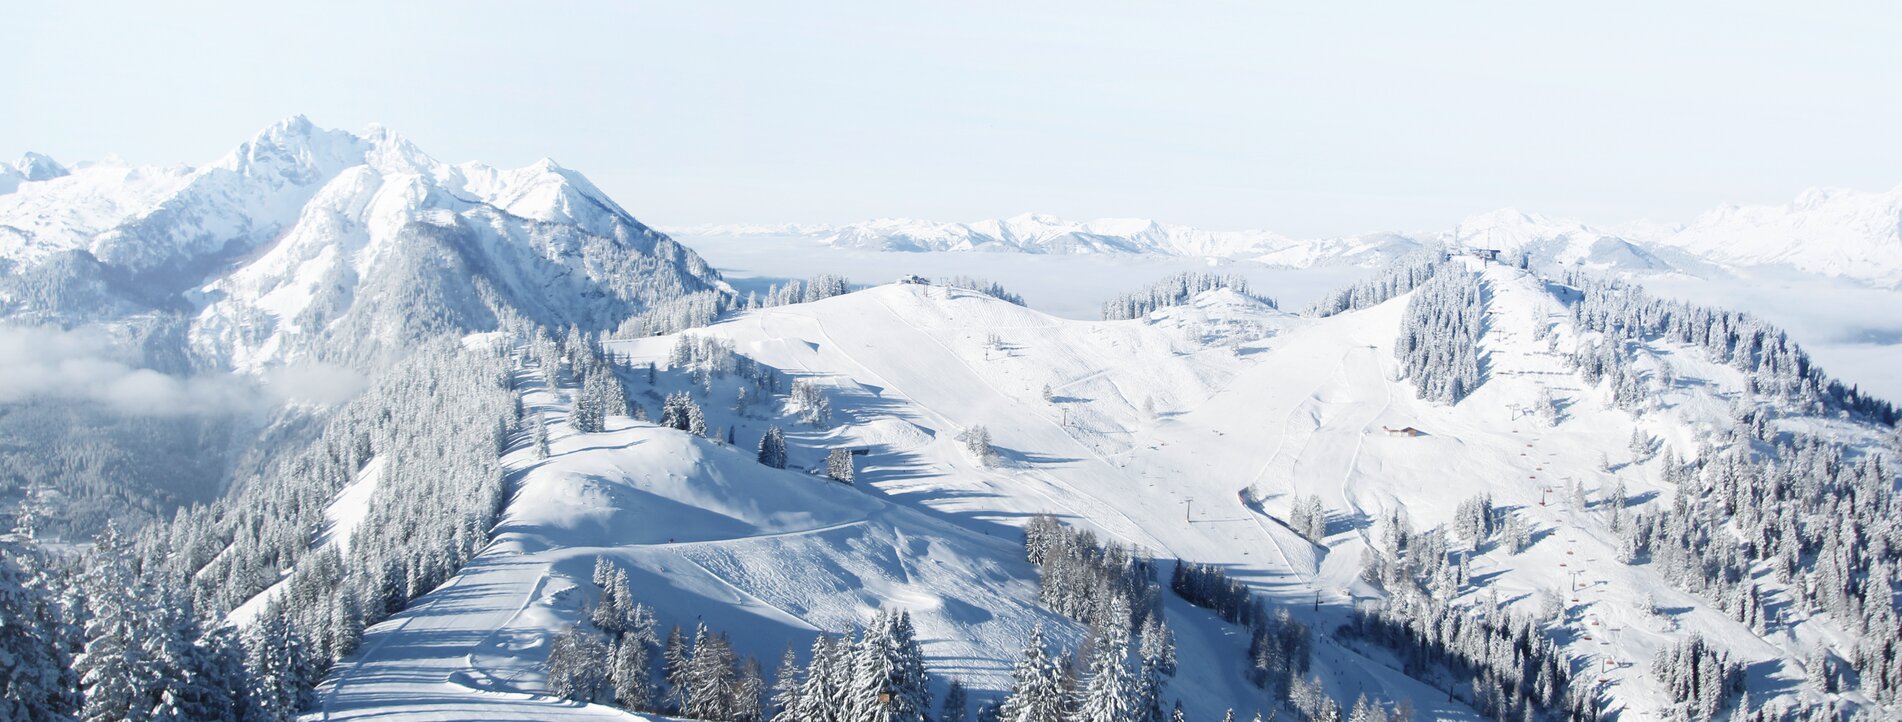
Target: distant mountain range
[(307, 242), (1841, 233)]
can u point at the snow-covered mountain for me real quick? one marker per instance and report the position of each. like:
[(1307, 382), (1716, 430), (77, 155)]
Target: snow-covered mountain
[(1832, 232), (1589, 479), (1840, 233), (308, 242), (30, 167), (1198, 433), (1035, 233)]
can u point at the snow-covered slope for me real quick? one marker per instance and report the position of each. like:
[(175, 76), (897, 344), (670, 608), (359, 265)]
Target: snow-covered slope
[(1147, 433), (309, 242)]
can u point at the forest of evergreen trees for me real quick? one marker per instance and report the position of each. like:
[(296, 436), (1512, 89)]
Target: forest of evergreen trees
[(1700, 678), (1403, 274), (1771, 525), (1438, 345), (1501, 663), (141, 617), (988, 288), (1777, 366), (1175, 290)]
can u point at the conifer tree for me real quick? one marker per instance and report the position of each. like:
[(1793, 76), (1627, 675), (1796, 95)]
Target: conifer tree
[(278, 663), (1037, 693), (888, 678), (772, 448), (674, 658), (820, 692), (709, 677), (749, 690), (839, 466), (1111, 692), (786, 684), (631, 674), (578, 667), (112, 667), (35, 685)]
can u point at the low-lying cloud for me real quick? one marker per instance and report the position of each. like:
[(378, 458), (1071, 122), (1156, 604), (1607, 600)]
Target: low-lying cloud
[(44, 362)]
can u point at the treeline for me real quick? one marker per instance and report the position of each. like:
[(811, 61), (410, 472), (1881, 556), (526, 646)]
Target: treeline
[(622, 661), (986, 287), (101, 464), (1098, 584), (1175, 290), (135, 629), (1121, 671), (1808, 512), (1811, 515), (1770, 526), (1500, 663), (1280, 649), (699, 308), (1130, 652), (1776, 366), (1438, 345), (816, 288), (101, 638), (579, 360), (1700, 678), (436, 423), (1401, 275), (673, 315), (1208, 587)]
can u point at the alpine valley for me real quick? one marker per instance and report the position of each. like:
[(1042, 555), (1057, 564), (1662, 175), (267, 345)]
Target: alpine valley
[(328, 429)]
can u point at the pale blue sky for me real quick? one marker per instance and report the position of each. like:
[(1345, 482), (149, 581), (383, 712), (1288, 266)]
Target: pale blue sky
[(1319, 118)]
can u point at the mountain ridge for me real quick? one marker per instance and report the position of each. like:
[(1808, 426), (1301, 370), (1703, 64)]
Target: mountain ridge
[(1826, 231), (264, 247)]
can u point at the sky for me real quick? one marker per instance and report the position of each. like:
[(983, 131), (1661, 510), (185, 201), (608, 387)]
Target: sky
[(1310, 119)]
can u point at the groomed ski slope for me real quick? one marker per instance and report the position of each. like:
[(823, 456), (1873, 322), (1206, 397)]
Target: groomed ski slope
[(1154, 427)]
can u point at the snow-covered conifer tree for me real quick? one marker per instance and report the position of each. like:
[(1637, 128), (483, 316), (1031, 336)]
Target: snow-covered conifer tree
[(749, 691), (674, 658), (578, 667), (631, 675), (785, 691), (839, 466), (710, 678), (1110, 694), (977, 441), (888, 678), (772, 448), (1037, 692), (36, 685), (278, 662), (1438, 345)]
